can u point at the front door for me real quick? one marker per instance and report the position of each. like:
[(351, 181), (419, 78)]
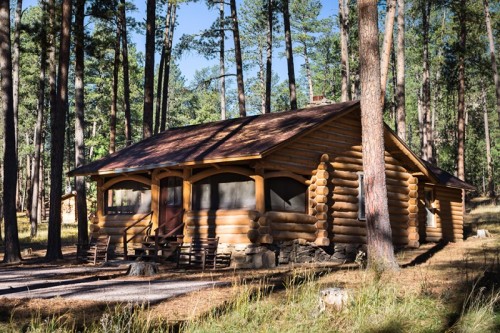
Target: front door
[(170, 204)]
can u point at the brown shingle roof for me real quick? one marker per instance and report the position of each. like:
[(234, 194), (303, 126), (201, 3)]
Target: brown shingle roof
[(240, 138), (448, 179)]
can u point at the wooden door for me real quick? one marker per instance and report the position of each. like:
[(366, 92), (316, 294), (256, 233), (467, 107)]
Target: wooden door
[(170, 204)]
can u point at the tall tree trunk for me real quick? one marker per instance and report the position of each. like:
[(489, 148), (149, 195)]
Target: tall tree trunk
[(308, 74), (57, 128), (461, 90), (114, 92), (400, 77), (166, 74), (492, 56), (489, 165), (344, 51), (159, 88), (427, 151), (386, 46), (12, 248), (52, 57), (269, 56), (35, 181), (126, 77), (379, 235), (147, 121), (289, 56), (80, 187), (239, 61), (262, 79), (222, 62), (15, 77)]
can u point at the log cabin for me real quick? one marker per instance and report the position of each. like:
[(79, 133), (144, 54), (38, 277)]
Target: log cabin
[(266, 181)]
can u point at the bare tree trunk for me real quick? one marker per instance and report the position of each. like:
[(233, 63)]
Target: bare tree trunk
[(379, 234), (262, 79), (12, 248), (35, 181), (461, 91), (114, 93), (15, 77), (147, 121), (239, 61), (344, 51), (269, 56), (126, 78), (42, 214), (58, 119), (489, 165), (426, 87), (386, 46), (222, 66), (308, 74), (492, 56), (289, 56), (93, 134), (159, 86), (400, 78), (80, 186), (166, 74)]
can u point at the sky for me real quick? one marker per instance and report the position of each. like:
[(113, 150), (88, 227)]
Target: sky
[(194, 17)]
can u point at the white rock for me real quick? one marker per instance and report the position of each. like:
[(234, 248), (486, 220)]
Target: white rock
[(336, 298)]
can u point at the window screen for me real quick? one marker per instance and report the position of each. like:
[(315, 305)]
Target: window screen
[(361, 197), (224, 191), (429, 208), (285, 194), (128, 197), (172, 191)]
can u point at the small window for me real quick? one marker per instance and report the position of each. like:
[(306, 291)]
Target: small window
[(224, 191), (285, 194), (128, 197), (430, 219), (361, 197), (171, 188)]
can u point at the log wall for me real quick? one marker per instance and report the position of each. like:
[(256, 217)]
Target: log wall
[(341, 141)]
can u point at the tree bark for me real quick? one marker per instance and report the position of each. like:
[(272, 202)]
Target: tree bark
[(461, 91), (379, 235), (222, 63), (159, 84), (166, 74), (489, 165), (114, 92), (344, 51), (400, 77), (492, 56), (308, 73), (289, 56), (147, 121), (15, 77), (126, 77), (12, 248), (386, 46), (239, 61), (269, 55), (35, 181), (58, 119), (427, 149), (80, 186)]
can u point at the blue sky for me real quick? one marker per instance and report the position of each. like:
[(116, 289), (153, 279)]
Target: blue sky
[(194, 17)]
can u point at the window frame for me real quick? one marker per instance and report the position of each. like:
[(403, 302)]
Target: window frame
[(430, 210), (119, 210)]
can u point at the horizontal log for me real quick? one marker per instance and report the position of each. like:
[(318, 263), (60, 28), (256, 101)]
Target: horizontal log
[(344, 198), (299, 227), (344, 175), (349, 222), (254, 225), (122, 224), (347, 230), (398, 218), (348, 239), (398, 196), (276, 164), (290, 235), (433, 239), (344, 182), (401, 189), (345, 206), (224, 239), (224, 229), (219, 220), (119, 231), (397, 175), (125, 217), (345, 191), (252, 214), (291, 217), (345, 214), (321, 225), (396, 182)]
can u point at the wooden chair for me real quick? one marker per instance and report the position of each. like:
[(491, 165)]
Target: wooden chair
[(202, 252), (98, 249)]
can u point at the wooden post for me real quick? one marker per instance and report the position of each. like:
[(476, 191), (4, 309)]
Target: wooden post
[(155, 199), (100, 200), (186, 195)]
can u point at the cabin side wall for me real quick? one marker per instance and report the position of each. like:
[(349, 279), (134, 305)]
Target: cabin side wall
[(341, 141)]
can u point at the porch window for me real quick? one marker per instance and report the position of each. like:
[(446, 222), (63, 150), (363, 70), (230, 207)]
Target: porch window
[(224, 191), (127, 197), (361, 197), (430, 219), (285, 194)]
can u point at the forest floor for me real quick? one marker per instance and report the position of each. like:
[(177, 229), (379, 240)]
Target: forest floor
[(443, 271)]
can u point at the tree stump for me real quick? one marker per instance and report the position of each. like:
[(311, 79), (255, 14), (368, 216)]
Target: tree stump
[(142, 269)]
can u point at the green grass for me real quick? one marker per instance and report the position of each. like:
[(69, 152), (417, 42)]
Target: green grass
[(69, 233)]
